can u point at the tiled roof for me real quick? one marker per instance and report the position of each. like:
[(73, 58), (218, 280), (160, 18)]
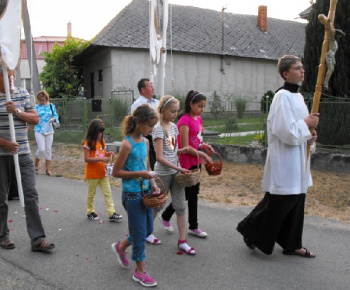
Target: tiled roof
[(42, 44), (306, 13), (199, 30)]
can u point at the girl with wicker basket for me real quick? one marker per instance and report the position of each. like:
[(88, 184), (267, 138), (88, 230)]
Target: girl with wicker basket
[(132, 166), (167, 166), (190, 126)]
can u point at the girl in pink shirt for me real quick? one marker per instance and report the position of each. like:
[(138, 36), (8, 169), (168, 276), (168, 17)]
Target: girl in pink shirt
[(190, 126)]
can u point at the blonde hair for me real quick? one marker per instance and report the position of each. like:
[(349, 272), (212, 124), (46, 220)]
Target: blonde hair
[(163, 103), (42, 93), (142, 114)]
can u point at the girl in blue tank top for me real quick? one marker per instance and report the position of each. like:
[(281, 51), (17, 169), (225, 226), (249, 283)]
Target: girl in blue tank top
[(132, 166)]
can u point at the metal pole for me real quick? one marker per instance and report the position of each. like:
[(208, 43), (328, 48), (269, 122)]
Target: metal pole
[(163, 49)]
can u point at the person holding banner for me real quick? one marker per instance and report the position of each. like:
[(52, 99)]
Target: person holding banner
[(23, 113)]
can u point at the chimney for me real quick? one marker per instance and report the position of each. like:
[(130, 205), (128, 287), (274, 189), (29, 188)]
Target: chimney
[(69, 29), (262, 18)]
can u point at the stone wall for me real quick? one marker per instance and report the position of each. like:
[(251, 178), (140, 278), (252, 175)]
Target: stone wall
[(256, 155)]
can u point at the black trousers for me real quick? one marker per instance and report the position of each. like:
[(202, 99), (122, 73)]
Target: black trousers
[(192, 204), (152, 152), (276, 219), (13, 193)]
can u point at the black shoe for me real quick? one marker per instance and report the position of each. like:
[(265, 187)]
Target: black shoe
[(115, 217), (93, 216), (249, 244)]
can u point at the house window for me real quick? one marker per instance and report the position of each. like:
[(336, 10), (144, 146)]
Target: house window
[(100, 75)]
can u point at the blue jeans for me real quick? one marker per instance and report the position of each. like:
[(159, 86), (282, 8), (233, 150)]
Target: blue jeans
[(140, 222)]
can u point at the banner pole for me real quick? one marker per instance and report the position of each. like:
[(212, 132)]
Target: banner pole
[(13, 138)]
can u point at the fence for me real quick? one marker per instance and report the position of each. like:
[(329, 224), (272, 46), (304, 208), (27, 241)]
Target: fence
[(334, 126), (75, 115)]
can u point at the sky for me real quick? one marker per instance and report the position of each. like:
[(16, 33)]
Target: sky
[(88, 17)]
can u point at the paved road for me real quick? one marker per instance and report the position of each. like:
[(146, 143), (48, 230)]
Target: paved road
[(83, 258)]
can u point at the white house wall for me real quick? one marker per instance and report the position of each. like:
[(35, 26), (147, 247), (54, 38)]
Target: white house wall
[(243, 77), (100, 61)]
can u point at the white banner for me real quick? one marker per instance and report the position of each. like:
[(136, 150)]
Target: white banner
[(10, 34), (158, 27)]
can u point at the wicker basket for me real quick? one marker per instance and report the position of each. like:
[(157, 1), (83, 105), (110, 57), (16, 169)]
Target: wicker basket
[(153, 201), (189, 179), (215, 167)]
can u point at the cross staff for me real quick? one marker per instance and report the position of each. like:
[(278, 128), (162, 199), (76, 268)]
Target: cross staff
[(328, 23)]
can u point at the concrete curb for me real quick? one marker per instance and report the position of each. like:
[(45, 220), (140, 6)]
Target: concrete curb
[(255, 155)]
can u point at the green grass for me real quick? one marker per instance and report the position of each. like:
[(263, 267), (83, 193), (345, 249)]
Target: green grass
[(241, 140), (244, 125), (241, 128), (211, 121)]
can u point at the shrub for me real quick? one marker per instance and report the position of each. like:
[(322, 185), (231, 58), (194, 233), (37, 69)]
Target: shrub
[(267, 96), (216, 105), (241, 105), (181, 101), (118, 109), (231, 123)]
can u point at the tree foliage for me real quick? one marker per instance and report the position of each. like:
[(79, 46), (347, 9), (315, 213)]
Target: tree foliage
[(60, 77), (339, 83)]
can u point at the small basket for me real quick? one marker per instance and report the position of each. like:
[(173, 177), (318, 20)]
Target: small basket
[(153, 201), (189, 179), (215, 167)]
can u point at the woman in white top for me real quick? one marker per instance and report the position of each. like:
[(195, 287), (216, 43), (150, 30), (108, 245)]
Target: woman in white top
[(44, 130)]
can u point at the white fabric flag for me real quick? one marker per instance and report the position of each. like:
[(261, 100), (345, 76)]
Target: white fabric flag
[(10, 34), (157, 17)]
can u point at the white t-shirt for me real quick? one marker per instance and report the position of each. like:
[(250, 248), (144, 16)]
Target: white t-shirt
[(170, 148)]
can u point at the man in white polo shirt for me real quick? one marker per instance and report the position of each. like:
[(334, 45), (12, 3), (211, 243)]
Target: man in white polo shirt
[(146, 90)]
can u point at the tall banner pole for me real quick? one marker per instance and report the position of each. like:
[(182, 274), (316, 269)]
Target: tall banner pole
[(328, 23), (13, 138), (163, 48), (10, 43)]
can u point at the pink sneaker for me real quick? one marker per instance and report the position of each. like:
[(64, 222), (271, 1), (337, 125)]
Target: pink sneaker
[(198, 233), (122, 259), (167, 225), (144, 279)]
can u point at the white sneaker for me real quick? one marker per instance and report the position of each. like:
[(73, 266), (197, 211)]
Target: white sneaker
[(198, 233)]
